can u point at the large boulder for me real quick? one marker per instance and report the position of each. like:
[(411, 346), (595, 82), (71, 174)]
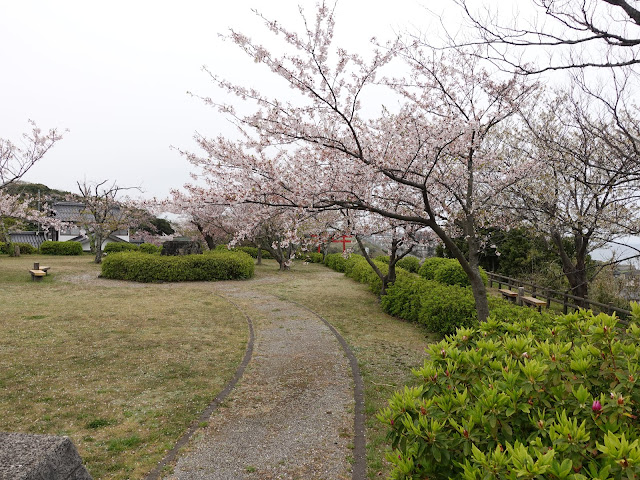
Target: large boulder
[(181, 246)]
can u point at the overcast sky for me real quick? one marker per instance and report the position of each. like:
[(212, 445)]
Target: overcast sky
[(116, 74)]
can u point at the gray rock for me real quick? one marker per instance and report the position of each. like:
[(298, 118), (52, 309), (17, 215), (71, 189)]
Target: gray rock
[(39, 457)]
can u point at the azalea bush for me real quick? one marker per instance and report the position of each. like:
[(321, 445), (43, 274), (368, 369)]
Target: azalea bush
[(523, 399)]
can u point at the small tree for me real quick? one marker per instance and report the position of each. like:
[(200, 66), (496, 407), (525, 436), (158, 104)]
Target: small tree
[(103, 214)]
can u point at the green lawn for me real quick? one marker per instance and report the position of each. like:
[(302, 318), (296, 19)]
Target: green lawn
[(120, 368)]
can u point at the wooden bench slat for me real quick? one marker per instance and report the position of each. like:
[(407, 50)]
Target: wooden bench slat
[(508, 293), (534, 301)]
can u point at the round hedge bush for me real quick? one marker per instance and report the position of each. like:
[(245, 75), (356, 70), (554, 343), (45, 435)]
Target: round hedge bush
[(440, 308), (61, 248), (210, 266)]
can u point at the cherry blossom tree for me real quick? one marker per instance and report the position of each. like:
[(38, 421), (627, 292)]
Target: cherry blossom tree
[(16, 160), (438, 159), (587, 185), (217, 224)]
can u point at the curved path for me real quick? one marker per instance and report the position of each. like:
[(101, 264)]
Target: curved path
[(291, 415)]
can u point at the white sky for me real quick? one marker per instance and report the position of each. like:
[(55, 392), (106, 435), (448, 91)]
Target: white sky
[(116, 75)]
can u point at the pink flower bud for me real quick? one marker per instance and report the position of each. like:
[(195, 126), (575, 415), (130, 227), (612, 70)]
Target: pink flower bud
[(597, 406)]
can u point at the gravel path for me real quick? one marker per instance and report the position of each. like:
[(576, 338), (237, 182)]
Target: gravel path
[(291, 414)]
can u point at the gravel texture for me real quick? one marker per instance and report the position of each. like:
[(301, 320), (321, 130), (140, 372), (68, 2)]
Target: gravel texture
[(291, 415)]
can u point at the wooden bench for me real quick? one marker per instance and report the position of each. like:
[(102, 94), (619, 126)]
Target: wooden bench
[(37, 266), (535, 302), (37, 275), (509, 294)]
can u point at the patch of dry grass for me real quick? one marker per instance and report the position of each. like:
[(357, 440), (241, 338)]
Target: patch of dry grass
[(121, 368), (387, 348)]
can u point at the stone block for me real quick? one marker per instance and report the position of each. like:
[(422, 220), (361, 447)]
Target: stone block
[(39, 457)]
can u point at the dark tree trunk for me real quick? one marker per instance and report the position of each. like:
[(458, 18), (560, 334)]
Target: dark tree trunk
[(390, 278), (98, 248), (576, 272), (259, 256), (280, 256), (207, 238), (470, 267)]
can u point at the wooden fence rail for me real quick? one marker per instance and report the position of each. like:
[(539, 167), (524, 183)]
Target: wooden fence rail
[(563, 298)]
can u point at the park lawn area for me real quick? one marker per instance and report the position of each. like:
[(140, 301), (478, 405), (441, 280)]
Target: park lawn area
[(120, 368), (387, 348)]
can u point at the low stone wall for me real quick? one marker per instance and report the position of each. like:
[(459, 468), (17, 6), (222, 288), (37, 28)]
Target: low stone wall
[(39, 457)]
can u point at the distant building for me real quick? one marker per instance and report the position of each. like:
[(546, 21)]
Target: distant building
[(74, 215)]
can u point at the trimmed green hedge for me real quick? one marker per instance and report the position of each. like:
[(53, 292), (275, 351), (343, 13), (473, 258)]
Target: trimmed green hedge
[(409, 263), (142, 267), (61, 248), (314, 257), (382, 258), (115, 247), (26, 248), (430, 265), (335, 261), (149, 248), (441, 308), (251, 251), (447, 271)]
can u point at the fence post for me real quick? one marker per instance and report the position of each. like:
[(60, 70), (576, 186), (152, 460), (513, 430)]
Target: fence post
[(520, 295), (565, 307), (547, 294), (610, 308)]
